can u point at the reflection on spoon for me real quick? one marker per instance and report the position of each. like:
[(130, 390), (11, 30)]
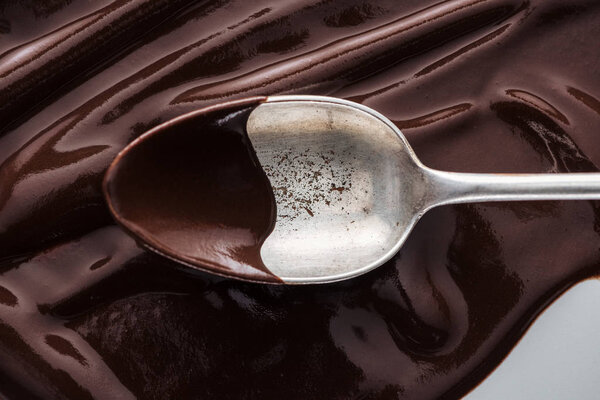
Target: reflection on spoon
[(344, 184)]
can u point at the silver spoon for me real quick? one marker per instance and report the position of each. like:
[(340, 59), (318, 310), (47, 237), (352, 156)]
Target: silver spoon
[(349, 189)]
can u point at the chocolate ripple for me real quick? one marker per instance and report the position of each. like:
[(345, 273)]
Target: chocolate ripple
[(476, 86)]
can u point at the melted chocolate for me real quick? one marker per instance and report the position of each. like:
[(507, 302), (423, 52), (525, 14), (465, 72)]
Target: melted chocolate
[(476, 86), (193, 190)]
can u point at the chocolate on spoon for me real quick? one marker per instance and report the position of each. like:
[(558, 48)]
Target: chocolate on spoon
[(293, 189), (192, 189)]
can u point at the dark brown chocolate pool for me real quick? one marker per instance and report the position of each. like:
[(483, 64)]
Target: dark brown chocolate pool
[(475, 85), (193, 190)]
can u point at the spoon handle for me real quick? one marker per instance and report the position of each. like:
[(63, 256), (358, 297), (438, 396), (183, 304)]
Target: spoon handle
[(457, 187)]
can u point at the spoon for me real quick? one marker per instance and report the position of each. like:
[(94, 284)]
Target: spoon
[(347, 189)]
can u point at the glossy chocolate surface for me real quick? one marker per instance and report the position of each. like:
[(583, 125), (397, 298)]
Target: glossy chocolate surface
[(193, 190), (475, 85)]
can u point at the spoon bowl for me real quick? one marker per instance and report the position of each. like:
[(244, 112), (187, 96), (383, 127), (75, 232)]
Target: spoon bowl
[(347, 187)]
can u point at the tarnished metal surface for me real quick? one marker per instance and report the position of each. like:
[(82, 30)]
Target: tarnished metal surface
[(342, 182), (349, 188)]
